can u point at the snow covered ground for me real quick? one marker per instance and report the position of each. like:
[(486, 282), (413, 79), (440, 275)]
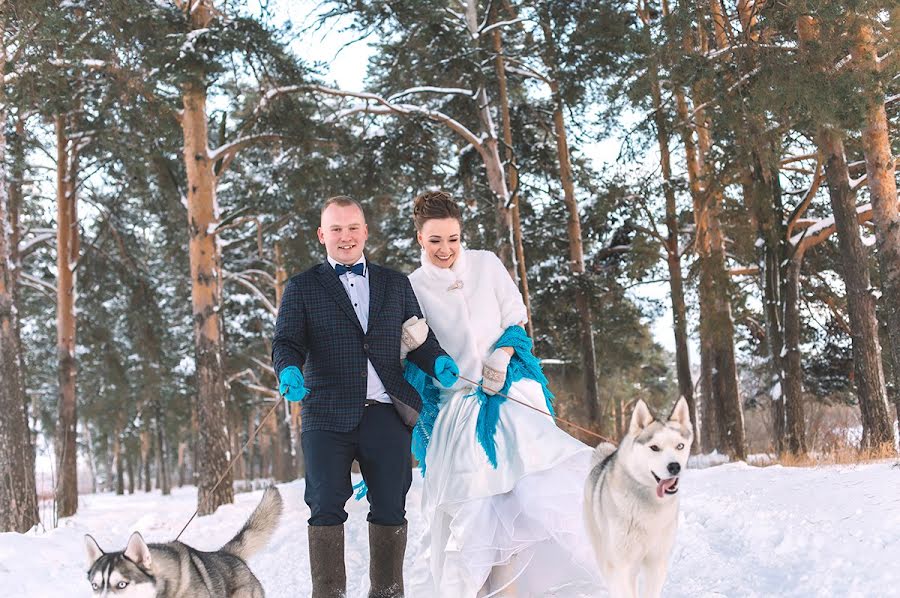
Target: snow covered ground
[(744, 531)]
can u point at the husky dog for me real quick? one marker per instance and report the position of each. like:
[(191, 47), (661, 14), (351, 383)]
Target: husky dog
[(175, 570), (631, 500)]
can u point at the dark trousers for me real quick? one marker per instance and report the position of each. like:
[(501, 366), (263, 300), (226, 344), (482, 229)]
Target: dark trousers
[(381, 445)]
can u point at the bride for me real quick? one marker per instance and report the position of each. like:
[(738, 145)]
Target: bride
[(503, 485)]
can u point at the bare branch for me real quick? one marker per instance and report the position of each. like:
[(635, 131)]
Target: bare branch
[(384, 107), (253, 289), (229, 151), (225, 225), (813, 189), (39, 284)]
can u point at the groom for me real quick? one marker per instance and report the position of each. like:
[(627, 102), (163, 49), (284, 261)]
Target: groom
[(337, 347)]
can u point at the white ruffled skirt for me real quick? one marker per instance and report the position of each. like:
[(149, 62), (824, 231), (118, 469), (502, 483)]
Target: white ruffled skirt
[(523, 519)]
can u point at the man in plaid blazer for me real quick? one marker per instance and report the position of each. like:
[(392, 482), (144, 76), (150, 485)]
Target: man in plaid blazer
[(343, 328)]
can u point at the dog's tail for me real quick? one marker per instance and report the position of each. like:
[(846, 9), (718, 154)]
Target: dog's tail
[(603, 450), (259, 528)]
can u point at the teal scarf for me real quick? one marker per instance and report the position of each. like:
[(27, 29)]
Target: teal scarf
[(523, 364)]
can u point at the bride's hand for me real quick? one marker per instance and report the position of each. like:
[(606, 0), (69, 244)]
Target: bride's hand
[(412, 335), (494, 371)]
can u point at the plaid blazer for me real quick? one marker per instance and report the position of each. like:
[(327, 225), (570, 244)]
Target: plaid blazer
[(318, 331)]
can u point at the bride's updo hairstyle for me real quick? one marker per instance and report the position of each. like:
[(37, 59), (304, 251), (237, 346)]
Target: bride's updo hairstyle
[(434, 205)]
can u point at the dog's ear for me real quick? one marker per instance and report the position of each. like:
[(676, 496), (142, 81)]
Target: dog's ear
[(681, 415), (93, 549), (640, 418), (138, 551)]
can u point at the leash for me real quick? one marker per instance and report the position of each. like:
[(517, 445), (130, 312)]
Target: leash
[(558, 419), (463, 378), (233, 461)]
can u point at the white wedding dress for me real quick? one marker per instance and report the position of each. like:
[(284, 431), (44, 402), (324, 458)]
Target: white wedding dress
[(525, 515)]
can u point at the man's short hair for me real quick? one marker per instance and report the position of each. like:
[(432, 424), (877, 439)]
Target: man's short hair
[(343, 201)]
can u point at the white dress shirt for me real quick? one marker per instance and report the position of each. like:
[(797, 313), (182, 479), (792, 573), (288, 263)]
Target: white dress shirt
[(357, 288)]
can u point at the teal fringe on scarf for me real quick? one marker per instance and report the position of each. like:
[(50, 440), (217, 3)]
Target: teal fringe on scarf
[(522, 365)]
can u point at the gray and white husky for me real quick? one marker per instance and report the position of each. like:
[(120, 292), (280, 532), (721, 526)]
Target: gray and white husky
[(631, 500), (175, 570)]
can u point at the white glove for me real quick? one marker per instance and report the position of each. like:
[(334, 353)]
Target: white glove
[(494, 371), (412, 335)]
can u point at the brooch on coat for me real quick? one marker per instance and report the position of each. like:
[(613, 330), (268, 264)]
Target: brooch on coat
[(456, 285)]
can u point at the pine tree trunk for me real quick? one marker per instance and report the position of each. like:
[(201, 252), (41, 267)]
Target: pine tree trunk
[(145, 459), (206, 284), (117, 459), (67, 254), (723, 421), (762, 194), (869, 375), (591, 399), (165, 481), (512, 176), (239, 470), (716, 323), (288, 469), (882, 184), (18, 495), (182, 465), (129, 467), (673, 251), (795, 422)]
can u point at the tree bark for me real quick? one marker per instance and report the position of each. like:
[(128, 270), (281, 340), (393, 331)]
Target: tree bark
[(117, 459), (882, 183), (146, 441), (129, 466), (162, 467), (716, 323), (206, 290), (795, 422), (869, 375), (671, 246), (18, 495), (591, 400), (512, 176), (67, 247)]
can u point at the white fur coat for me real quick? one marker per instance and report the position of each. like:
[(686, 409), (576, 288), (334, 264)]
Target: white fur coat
[(468, 306)]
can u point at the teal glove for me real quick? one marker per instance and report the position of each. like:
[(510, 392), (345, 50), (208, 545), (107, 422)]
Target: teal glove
[(291, 384), (446, 371)]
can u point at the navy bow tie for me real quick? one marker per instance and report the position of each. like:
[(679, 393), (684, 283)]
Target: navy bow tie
[(358, 269)]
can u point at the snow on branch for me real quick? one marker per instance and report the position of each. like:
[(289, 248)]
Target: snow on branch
[(266, 367), (499, 24), (243, 281), (825, 227), (253, 384), (29, 245), (807, 198), (34, 282), (384, 106), (227, 152), (429, 89)]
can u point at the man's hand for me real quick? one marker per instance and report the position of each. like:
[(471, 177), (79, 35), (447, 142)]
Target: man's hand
[(446, 371), (290, 384), (494, 371), (412, 335)]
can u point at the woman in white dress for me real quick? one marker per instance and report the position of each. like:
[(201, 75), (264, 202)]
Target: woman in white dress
[(503, 485)]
